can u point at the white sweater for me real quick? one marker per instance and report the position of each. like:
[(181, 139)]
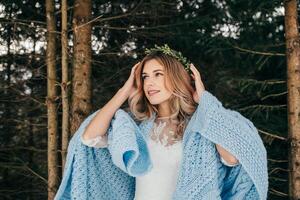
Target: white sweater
[(160, 182)]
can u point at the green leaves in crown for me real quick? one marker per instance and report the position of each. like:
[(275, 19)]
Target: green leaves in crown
[(168, 51)]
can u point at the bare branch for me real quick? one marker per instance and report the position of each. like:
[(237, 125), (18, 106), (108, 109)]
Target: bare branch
[(272, 135), (258, 52)]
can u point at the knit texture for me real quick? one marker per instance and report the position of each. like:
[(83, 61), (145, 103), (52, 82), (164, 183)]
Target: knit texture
[(109, 173)]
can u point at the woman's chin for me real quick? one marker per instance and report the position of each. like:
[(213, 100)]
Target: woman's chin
[(154, 102)]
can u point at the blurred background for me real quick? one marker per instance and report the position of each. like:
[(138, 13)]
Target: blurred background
[(238, 46)]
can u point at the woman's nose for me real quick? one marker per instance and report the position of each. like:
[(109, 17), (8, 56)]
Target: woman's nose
[(149, 81)]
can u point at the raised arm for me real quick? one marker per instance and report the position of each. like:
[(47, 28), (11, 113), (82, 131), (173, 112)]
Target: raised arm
[(100, 123), (199, 89)]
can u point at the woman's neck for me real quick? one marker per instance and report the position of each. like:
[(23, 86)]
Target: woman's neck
[(168, 119), (164, 110)]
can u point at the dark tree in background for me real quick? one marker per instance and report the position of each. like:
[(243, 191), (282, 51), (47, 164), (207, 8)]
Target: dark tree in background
[(81, 81), (51, 99), (65, 81), (23, 114), (238, 47)]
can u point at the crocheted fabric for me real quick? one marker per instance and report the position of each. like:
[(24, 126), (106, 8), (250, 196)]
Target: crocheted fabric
[(109, 173)]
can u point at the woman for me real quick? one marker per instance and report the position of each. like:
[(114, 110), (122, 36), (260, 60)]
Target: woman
[(178, 151)]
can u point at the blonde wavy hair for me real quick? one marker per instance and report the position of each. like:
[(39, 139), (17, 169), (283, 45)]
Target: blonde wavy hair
[(177, 81)]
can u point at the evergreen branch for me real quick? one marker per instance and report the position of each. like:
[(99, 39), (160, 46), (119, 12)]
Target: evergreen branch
[(276, 169), (258, 52), (23, 148), (91, 21), (278, 179), (165, 49), (133, 11), (264, 82), (277, 161), (263, 107), (36, 174), (272, 135), (274, 95), (24, 167), (278, 193)]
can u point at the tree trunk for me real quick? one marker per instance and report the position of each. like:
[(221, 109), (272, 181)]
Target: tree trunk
[(293, 81), (81, 82), (65, 82), (50, 101)]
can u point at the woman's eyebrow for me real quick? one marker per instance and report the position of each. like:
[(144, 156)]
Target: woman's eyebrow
[(154, 71)]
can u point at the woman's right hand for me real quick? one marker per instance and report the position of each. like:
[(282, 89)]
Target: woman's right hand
[(128, 88)]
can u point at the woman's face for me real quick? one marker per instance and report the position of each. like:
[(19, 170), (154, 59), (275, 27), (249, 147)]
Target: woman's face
[(153, 76)]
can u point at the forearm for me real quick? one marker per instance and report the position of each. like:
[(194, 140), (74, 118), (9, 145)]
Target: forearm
[(228, 157), (100, 123)]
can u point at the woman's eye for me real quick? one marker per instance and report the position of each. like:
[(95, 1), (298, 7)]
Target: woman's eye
[(143, 77)]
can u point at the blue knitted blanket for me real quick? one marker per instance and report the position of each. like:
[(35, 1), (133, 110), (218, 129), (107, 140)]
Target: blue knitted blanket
[(109, 173)]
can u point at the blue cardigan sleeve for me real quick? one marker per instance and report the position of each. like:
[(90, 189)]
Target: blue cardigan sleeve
[(64, 190), (236, 134), (127, 146), (87, 170)]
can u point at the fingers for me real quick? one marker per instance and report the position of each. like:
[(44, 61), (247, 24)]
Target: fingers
[(193, 67), (134, 67), (137, 64), (194, 70), (199, 86)]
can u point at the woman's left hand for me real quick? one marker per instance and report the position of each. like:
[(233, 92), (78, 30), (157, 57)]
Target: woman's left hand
[(198, 83)]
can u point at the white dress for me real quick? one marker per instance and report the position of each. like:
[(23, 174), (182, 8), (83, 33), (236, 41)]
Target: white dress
[(166, 154)]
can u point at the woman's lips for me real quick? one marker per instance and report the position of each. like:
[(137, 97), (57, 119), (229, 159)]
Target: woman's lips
[(153, 92)]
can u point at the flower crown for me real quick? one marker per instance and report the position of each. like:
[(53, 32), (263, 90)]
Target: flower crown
[(168, 51)]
